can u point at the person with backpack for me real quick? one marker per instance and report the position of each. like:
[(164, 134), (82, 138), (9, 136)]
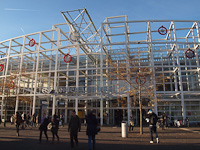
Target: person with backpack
[(152, 120)]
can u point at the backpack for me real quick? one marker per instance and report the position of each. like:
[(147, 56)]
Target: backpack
[(153, 119)]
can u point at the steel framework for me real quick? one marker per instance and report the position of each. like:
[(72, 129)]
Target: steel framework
[(43, 77)]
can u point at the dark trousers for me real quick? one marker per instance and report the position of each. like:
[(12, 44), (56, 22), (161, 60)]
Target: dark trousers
[(164, 125), (17, 129), (90, 139), (45, 133), (55, 133), (152, 128), (73, 136), (130, 127)]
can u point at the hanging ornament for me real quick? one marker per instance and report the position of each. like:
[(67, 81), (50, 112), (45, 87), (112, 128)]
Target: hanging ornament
[(12, 84), (67, 58), (74, 36), (189, 53), (31, 43), (1, 67), (162, 30), (140, 79)]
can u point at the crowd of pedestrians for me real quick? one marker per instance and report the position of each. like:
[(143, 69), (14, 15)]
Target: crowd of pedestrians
[(23, 120), (74, 126)]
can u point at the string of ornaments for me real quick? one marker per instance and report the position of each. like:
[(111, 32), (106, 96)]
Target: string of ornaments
[(188, 53)]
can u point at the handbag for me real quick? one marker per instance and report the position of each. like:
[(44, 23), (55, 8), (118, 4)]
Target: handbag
[(132, 123), (98, 129)]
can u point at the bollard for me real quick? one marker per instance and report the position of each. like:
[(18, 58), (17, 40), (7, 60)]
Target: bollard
[(124, 127)]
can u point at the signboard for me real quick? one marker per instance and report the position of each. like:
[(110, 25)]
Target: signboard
[(62, 90), (74, 36), (44, 105), (46, 91)]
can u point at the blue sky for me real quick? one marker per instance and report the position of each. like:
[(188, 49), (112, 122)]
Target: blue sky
[(19, 17)]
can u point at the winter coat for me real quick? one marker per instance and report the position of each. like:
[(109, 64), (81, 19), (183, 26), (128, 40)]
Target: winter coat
[(91, 125), (74, 124), (55, 125), (18, 119), (44, 125), (152, 118)]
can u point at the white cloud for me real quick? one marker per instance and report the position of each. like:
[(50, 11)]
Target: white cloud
[(22, 30)]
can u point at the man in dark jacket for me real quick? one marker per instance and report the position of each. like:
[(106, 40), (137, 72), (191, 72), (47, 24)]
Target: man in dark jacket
[(43, 127), (74, 127), (152, 120), (55, 125), (91, 129)]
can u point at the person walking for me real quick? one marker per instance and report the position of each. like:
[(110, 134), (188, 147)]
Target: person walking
[(62, 120), (187, 122), (34, 119), (152, 120), (37, 120), (17, 120), (43, 127), (131, 125), (91, 131), (73, 127), (23, 120), (12, 119), (54, 129), (164, 120)]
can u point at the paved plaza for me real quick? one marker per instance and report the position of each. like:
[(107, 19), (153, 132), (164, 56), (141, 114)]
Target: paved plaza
[(109, 138)]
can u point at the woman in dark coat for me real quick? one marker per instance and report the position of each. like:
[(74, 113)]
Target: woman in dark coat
[(43, 127), (91, 129), (18, 121)]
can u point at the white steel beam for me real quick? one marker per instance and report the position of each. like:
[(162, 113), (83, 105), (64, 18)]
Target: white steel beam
[(55, 76), (20, 73), (36, 74), (179, 76)]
